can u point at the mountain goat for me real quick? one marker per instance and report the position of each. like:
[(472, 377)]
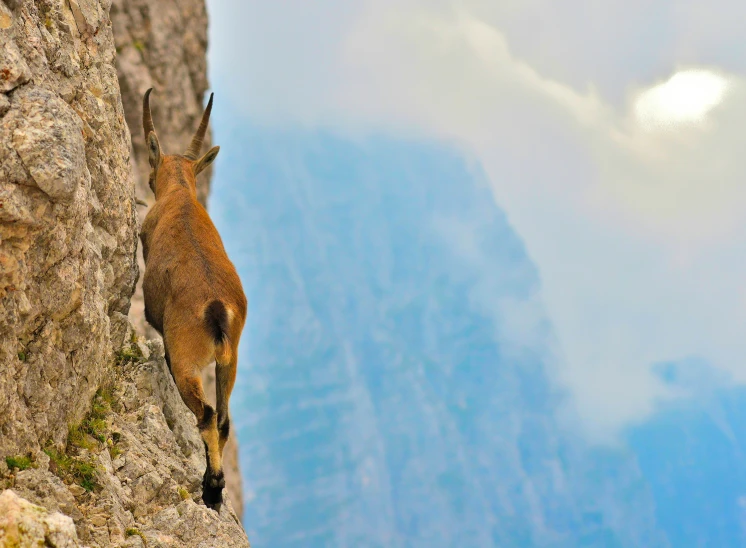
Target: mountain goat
[(193, 295)]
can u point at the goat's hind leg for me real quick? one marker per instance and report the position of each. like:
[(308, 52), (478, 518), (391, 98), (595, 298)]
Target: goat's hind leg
[(189, 384), (225, 378), (213, 481)]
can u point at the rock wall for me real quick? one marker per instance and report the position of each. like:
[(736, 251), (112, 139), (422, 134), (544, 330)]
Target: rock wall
[(163, 44), (69, 173), (67, 216)]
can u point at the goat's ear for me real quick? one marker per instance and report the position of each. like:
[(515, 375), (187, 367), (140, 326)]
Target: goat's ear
[(206, 160), (154, 150)]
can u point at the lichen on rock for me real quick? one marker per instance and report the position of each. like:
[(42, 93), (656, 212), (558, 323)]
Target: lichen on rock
[(48, 139)]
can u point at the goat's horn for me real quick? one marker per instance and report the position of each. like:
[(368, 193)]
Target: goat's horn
[(194, 148), (147, 119)]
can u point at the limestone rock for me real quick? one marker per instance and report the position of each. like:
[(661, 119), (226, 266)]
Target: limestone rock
[(13, 68), (150, 492), (68, 224), (69, 265), (47, 490), (24, 524), (48, 138)]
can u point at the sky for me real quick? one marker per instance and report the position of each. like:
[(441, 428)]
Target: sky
[(610, 134)]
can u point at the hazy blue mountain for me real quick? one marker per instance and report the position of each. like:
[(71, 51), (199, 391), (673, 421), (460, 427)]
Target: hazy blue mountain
[(385, 396), (692, 454)]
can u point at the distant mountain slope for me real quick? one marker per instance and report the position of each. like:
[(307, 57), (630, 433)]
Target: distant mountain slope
[(396, 393), (692, 454)]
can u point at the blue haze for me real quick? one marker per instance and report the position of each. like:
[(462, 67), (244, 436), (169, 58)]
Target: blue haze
[(382, 398)]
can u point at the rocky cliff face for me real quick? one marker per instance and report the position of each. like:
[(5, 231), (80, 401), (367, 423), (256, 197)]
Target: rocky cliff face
[(68, 267), (67, 216), (132, 471), (163, 45)]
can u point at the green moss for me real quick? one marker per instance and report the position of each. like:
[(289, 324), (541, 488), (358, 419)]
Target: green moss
[(73, 469), (97, 429), (183, 493), (114, 452), (132, 531), (139, 46), (128, 354), (22, 356), (85, 472), (99, 408), (106, 394), (93, 428), (78, 437), (91, 434), (22, 463)]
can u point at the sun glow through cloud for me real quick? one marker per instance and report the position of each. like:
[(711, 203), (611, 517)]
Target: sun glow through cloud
[(685, 98)]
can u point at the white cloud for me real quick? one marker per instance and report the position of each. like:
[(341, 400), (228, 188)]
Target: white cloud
[(633, 210)]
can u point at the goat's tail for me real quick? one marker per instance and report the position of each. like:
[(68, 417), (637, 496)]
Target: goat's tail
[(217, 321)]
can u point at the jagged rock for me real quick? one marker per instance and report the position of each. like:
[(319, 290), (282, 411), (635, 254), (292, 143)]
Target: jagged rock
[(47, 490), (14, 70), (67, 219), (25, 525), (189, 525), (68, 264), (87, 14), (151, 490), (48, 138)]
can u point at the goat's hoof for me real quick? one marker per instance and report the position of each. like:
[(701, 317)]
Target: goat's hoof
[(212, 490)]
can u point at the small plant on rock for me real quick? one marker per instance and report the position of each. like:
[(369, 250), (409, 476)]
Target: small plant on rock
[(21, 463), (73, 469), (134, 531), (77, 464), (129, 353)]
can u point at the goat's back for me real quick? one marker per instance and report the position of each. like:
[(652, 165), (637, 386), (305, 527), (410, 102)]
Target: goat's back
[(187, 266)]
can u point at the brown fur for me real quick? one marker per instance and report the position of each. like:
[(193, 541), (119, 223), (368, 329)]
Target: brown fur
[(193, 295)]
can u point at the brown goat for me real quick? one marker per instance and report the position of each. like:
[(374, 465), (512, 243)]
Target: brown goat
[(193, 295)]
